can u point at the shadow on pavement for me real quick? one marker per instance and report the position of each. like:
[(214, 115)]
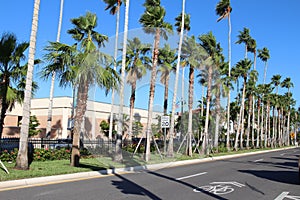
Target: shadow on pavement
[(211, 195), (128, 187), (289, 177)]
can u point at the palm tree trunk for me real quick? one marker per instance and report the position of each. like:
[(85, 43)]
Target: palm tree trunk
[(49, 119), (4, 105), (82, 96), (115, 68), (229, 69), (190, 122), (240, 122), (262, 125), (249, 121), (258, 122), (22, 158), (118, 155), (205, 146), (253, 121), (166, 95), (131, 108), (218, 107), (151, 93), (170, 152)]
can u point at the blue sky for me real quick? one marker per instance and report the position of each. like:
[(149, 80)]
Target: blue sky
[(273, 24)]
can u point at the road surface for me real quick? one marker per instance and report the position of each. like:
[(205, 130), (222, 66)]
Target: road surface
[(272, 175)]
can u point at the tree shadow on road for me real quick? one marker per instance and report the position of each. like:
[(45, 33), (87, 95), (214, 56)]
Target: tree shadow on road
[(289, 177), (128, 187), (211, 195)]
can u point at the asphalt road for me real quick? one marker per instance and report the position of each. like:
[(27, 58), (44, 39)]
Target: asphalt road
[(272, 175)]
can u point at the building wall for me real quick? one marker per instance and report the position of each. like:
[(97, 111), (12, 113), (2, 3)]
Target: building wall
[(62, 106)]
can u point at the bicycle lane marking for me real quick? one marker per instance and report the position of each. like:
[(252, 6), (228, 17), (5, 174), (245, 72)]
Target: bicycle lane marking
[(219, 187), (190, 176)]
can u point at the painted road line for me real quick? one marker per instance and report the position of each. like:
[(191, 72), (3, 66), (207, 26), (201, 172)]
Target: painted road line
[(284, 195), (282, 154), (258, 160), (190, 176)]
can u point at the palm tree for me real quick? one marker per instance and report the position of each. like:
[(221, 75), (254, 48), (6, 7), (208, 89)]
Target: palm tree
[(242, 67), (61, 59), (136, 66), (49, 119), (153, 22), (287, 83), (252, 49), (166, 61), (208, 42), (223, 10), (264, 55), (187, 28), (11, 54), (244, 37), (22, 158), (191, 54), (89, 71), (250, 89), (118, 155), (276, 82), (114, 8)]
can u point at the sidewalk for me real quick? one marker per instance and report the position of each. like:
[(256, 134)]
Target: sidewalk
[(39, 181)]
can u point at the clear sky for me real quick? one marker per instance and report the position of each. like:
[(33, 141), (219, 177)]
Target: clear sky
[(273, 24)]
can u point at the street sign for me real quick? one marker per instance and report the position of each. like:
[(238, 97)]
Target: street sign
[(165, 121)]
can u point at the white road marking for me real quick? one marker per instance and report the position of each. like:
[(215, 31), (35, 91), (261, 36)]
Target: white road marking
[(282, 154), (284, 195), (190, 176), (258, 160), (230, 183)]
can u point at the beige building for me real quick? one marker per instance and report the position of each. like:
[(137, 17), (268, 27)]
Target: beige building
[(62, 107)]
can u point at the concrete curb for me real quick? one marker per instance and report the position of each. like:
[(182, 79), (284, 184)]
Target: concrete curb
[(13, 184)]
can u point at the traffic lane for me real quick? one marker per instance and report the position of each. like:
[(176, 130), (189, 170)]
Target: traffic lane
[(161, 184), (255, 174)]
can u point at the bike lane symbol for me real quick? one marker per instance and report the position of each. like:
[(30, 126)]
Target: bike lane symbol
[(219, 187), (284, 195)]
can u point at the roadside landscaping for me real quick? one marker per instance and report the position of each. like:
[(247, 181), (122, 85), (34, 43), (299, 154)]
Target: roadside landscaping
[(61, 165)]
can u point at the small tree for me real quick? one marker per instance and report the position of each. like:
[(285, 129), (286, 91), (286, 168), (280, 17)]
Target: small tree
[(33, 124), (104, 127)]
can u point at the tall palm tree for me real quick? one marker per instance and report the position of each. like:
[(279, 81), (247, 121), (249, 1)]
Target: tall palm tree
[(118, 155), (49, 119), (166, 61), (223, 10), (275, 80), (11, 55), (209, 43), (89, 71), (22, 158), (252, 49), (114, 8), (264, 55), (244, 37), (153, 22), (242, 67), (170, 145), (287, 83), (250, 89), (136, 66), (187, 28), (191, 54)]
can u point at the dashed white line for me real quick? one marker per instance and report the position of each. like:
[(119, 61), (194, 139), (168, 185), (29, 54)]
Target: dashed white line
[(190, 176)]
